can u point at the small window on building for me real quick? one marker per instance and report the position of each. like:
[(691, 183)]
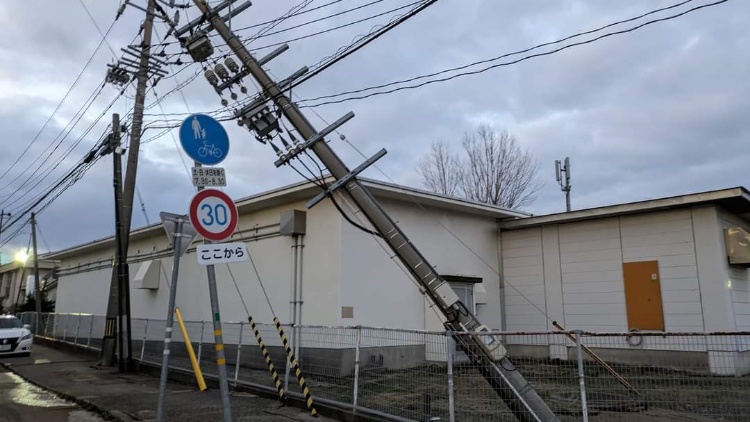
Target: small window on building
[(465, 293)]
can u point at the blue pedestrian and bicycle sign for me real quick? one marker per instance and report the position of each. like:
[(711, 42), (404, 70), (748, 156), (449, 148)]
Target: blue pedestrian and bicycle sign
[(204, 139)]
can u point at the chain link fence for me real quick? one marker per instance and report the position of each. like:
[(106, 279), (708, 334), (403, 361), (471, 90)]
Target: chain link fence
[(423, 376)]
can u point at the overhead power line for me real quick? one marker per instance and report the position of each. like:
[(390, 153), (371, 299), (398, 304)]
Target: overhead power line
[(69, 150), (326, 62), (52, 194), (343, 12), (485, 69), (37, 174), (59, 105), (335, 28), (355, 46)]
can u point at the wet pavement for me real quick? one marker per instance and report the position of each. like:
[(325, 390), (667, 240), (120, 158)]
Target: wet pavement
[(21, 401), (115, 396)]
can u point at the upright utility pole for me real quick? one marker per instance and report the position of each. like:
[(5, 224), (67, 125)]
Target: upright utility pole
[(499, 371), (3, 214), (37, 291), (564, 181), (118, 271), (123, 294)]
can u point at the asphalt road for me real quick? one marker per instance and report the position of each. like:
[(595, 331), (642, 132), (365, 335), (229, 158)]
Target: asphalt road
[(24, 402)]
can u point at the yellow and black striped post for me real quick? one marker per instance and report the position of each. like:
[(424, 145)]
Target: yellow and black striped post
[(295, 367), (271, 368)]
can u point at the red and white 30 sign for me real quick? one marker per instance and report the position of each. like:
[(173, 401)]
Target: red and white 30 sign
[(213, 214)]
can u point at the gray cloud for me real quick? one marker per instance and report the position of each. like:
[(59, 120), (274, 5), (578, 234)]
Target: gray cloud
[(656, 112)]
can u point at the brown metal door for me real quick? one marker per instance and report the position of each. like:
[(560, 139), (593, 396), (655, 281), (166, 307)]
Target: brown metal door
[(643, 295)]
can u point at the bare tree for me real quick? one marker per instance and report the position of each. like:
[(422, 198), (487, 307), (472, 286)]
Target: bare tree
[(493, 170), (441, 170)]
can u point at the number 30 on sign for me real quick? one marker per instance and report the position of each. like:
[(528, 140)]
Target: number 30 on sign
[(213, 214)]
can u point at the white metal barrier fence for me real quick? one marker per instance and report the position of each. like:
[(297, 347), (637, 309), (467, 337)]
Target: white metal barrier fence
[(421, 375)]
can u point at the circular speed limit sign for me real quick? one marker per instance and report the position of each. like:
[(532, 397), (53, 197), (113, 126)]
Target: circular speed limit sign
[(213, 214)]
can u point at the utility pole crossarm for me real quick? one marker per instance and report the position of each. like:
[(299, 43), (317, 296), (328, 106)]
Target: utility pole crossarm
[(509, 384)]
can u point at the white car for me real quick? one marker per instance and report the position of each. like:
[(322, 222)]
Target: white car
[(15, 338)]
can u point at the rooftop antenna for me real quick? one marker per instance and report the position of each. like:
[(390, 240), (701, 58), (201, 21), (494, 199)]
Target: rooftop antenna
[(561, 168)]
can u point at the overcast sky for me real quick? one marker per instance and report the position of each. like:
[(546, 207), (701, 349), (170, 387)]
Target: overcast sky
[(660, 111)]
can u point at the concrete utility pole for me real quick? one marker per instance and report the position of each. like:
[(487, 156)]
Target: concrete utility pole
[(122, 294), (2, 215), (37, 291), (118, 271), (500, 372)]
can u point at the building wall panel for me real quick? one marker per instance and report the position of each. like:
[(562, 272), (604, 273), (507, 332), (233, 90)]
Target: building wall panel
[(599, 280), (523, 275), (667, 237)]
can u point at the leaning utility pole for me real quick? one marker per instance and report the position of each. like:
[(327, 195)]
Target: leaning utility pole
[(496, 367), (122, 295), (37, 291)]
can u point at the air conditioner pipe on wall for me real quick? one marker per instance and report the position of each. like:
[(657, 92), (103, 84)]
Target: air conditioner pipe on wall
[(296, 290)]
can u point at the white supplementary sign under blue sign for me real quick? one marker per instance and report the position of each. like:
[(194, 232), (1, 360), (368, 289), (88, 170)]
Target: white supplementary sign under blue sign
[(204, 139), (221, 253)]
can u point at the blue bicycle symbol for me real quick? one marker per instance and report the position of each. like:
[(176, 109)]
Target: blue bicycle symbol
[(209, 149)]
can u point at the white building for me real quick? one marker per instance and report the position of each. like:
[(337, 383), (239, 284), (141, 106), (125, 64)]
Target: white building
[(346, 277), (659, 265), (17, 281)]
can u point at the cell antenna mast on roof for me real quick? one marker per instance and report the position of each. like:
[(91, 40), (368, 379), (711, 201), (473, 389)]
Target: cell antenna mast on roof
[(564, 180), (260, 117)]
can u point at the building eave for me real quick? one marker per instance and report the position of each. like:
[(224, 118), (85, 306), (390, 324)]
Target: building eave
[(44, 264), (426, 198), (735, 200), (302, 191)]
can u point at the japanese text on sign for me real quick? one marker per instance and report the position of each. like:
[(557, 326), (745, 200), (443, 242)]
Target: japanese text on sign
[(209, 176), (221, 253)]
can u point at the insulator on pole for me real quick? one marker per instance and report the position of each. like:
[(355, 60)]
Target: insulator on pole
[(221, 71), (232, 65), (211, 76)]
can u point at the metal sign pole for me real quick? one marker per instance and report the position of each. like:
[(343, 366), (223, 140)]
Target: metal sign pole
[(221, 361), (214, 216), (170, 321)]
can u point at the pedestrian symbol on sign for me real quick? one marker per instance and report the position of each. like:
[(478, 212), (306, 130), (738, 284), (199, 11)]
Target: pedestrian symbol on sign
[(204, 139), (198, 133)]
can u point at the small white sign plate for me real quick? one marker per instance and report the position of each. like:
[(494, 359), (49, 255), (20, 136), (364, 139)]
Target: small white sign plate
[(221, 253), (209, 176)]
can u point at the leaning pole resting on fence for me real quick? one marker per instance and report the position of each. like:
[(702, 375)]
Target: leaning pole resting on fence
[(296, 369)]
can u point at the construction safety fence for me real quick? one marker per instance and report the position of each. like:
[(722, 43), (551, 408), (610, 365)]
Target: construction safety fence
[(423, 376)]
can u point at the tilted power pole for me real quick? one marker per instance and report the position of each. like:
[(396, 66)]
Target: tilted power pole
[(500, 372), (117, 295)]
